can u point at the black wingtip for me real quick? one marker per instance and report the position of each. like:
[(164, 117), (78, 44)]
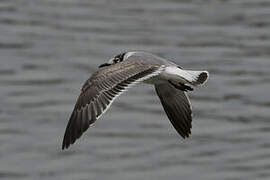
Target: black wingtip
[(203, 77), (65, 143), (73, 132), (68, 139), (64, 146)]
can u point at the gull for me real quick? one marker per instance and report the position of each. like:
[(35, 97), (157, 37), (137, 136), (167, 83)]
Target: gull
[(123, 71)]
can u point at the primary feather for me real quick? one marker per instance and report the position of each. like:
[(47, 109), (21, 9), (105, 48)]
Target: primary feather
[(121, 72)]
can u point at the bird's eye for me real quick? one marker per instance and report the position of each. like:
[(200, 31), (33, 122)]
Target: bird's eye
[(116, 60)]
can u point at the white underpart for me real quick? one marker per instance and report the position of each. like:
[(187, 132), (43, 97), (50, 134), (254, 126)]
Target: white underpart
[(157, 72), (178, 75)]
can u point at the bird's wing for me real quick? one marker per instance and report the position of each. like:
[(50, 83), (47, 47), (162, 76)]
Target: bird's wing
[(177, 107), (100, 90)]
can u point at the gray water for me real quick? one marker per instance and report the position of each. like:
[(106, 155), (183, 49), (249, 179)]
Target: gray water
[(49, 48)]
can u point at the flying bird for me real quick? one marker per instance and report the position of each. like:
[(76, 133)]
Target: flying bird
[(123, 71)]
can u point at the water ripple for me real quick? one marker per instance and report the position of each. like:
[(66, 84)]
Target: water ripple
[(48, 49)]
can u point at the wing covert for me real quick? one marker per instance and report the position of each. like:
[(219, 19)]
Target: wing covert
[(100, 90)]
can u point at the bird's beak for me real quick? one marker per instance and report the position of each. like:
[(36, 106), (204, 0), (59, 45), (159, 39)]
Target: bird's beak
[(103, 65)]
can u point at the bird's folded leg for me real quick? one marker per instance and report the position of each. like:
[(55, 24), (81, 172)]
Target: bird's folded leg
[(181, 86)]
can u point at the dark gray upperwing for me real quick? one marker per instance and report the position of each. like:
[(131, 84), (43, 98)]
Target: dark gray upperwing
[(100, 90), (177, 107)]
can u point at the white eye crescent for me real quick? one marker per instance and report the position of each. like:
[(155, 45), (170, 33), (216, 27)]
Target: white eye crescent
[(111, 61)]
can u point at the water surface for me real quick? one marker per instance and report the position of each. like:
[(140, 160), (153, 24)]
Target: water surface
[(49, 48)]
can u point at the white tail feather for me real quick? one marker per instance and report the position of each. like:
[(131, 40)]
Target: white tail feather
[(178, 75), (196, 77)]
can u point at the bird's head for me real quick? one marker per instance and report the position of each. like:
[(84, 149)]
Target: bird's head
[(116, 59)]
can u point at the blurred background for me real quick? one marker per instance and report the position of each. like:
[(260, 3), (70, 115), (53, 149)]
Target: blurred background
[(49, 48)]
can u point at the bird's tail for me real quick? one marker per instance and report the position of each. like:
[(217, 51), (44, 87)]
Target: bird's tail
[(195, 77)]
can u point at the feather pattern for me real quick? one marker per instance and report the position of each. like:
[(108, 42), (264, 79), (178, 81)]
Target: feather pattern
[(100, 90), (177, 107)]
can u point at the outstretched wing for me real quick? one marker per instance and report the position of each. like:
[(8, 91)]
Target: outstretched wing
[(100, 90), (177, 107)]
